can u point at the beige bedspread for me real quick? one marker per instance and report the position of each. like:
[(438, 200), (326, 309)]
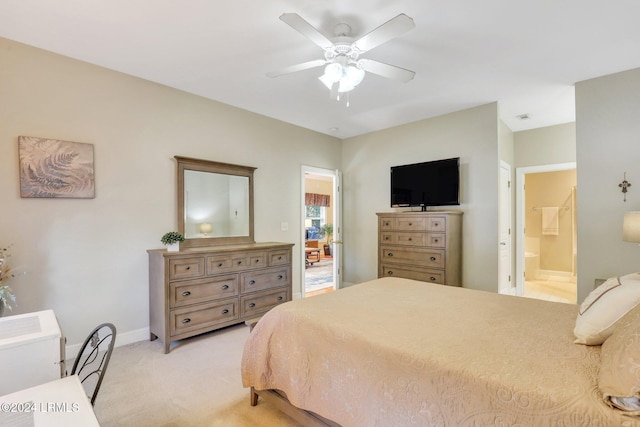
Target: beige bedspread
[(396, 352)]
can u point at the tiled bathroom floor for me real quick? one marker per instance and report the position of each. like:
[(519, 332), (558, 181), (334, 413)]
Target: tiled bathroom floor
[(551, 290)]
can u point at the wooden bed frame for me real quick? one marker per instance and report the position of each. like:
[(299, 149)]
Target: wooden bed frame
[(280, 401)]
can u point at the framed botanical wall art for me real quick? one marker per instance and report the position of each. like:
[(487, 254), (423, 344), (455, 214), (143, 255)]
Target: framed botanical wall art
[(51, 168)]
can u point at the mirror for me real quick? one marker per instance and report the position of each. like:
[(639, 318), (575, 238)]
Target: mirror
[(215, 202)]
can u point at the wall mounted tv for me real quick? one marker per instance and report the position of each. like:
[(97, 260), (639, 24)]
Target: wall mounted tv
[(435, 183)]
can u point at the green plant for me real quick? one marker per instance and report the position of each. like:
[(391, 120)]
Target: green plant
[(328, 231), (172, 237), (7, 298)]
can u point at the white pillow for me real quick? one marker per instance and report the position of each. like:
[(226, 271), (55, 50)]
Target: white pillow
[(604, 306)]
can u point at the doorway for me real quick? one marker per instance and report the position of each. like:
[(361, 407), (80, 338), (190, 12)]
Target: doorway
[(547, 243), (320, 231)]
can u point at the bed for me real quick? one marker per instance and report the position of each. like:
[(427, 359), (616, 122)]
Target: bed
[(397, 352)]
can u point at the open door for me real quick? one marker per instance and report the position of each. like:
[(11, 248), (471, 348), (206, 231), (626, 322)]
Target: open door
[(321, 231)]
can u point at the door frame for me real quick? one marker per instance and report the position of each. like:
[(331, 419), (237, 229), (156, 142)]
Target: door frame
[(505, 219), (520, 213), (337, 221)]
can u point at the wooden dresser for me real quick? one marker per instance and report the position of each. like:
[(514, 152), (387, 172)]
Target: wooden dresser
[(422, 246), (202, 289)]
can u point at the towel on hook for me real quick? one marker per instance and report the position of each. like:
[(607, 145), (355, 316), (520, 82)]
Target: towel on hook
[(550, 221)]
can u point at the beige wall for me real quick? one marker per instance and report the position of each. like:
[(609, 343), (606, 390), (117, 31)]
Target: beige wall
[(472, 135), (551, 189), (545, 146), (86, 259), (608, 144)]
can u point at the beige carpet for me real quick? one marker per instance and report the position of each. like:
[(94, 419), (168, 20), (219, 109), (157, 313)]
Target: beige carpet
[(197, 384)]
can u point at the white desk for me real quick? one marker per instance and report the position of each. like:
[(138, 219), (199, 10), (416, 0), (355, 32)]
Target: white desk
[(31, 350), (59, 403)]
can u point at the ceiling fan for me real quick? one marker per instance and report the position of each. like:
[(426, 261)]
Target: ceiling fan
[(344, 69)]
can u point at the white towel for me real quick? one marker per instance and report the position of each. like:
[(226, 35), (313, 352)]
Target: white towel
[(550, 221)]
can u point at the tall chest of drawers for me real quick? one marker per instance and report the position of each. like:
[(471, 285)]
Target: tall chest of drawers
[(423, 246), (202, 289)]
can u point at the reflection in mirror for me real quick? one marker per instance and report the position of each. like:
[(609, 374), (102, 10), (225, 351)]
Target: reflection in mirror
[(215, 202), (215, 205)]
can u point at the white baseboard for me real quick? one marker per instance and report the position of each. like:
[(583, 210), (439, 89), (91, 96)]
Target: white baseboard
[(121, 339)]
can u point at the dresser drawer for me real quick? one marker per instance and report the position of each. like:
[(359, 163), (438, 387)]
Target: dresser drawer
[(421, 257), (202, 290), (280, 257), (262, 302), (389, 237), (410, 239), (424, 275), (435, 240), (436, 223), (264, 279), (186, 268), (410, 223), (202, 316), (387, 224)]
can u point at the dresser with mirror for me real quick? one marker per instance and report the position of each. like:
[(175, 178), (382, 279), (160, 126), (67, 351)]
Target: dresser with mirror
[(220, 276)]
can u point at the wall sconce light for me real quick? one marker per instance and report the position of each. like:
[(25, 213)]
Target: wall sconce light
[(631, 227), (205, 228)]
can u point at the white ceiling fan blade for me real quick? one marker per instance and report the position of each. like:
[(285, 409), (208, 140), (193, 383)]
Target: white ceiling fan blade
[(296, 22), (297, 67), (385, 32), (386, 70)]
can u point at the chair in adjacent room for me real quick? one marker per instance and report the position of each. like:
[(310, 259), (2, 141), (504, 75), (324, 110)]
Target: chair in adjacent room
[(93, 358)]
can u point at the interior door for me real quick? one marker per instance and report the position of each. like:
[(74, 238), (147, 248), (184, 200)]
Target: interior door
[(337, 228), (505, 285)]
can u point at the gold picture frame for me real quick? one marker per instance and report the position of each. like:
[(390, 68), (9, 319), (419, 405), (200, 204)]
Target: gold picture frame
[(50, 168)]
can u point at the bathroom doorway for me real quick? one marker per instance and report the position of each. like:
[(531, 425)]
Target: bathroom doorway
[(547, 244)]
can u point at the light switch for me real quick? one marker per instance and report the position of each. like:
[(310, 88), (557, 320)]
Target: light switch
[(284, 226)]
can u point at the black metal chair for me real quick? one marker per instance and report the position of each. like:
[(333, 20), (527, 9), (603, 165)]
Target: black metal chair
[(93, 358)]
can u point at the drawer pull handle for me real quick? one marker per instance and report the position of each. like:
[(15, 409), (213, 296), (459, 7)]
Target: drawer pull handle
[(390, 254), (225, 287), (386, 237), (220, 265), (435, 240), (186, 293), (188, 268), (432, 258), (225, 311), (279, 258), (410, 239), (433, 279), (435, 224), (280, 276), (240, 262), (279, 298), (257, 261), (187, 320), (253, 304), (390, 272), (410, 224), (252, 282)]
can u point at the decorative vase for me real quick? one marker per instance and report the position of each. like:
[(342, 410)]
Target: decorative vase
[(173, 247)]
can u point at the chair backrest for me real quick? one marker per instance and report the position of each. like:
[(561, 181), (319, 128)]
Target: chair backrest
[(93, 358)]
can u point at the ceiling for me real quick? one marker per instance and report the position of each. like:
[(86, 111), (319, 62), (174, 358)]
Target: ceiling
[(526, 55)]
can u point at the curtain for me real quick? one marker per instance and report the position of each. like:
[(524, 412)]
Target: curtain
[(313, 199)]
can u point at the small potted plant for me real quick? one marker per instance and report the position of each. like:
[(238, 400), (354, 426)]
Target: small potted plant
[(172, 240), (328, 233)]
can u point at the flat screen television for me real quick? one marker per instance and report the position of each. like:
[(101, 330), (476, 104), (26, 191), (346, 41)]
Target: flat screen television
[(434, 183)]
